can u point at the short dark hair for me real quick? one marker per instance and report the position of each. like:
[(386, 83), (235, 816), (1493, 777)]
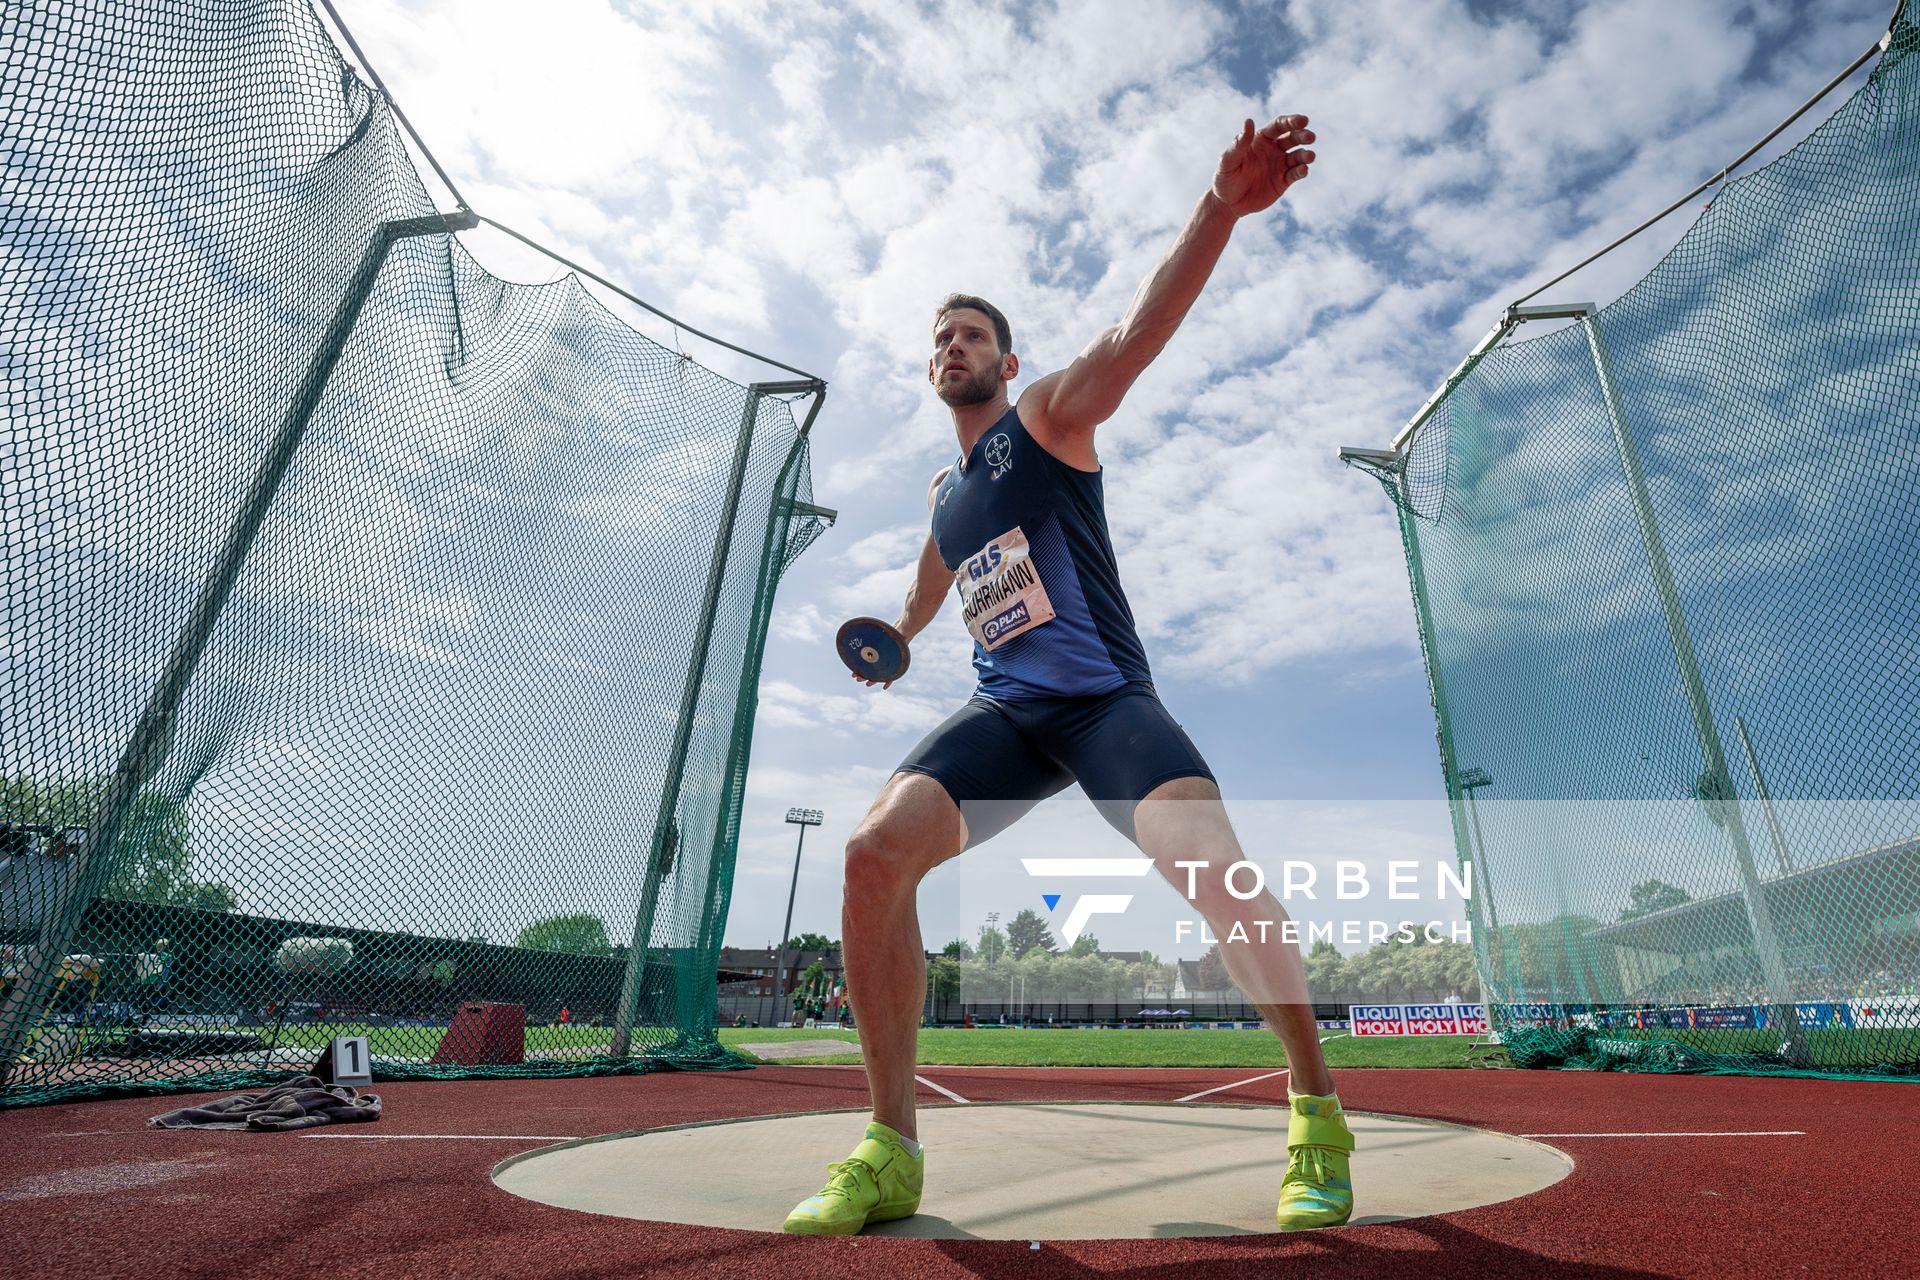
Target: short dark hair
[(967, 302)]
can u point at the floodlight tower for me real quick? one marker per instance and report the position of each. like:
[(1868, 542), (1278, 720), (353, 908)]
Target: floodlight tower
[(1472, 780), (802, 818)]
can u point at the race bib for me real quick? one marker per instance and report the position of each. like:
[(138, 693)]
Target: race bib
[(1001, 595)]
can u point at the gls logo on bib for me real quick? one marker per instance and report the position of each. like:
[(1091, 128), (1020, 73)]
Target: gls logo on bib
[(1001, 595)]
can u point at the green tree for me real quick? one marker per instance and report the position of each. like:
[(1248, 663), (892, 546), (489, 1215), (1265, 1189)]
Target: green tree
[(1650, 896), (1084, 945), (1326, 970), (1150, 977), (154, 863), (1554, 960), (439, 972), (1427, 969), (993, 944), (1028, 931), (1082, 976), (812, 942), (1374, 975), (957, 949), (1213, 971), (943, 975), (1463, 973), (580, 935)]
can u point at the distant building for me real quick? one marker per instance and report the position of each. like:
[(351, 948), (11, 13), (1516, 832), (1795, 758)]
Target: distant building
[(1187, 985), (753, 971)]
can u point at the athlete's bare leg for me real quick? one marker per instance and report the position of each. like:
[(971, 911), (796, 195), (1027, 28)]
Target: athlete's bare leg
[(912, 828), (1184, 821)]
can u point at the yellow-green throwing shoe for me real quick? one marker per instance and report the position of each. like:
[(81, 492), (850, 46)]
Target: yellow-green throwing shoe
[(879, 1182), (1318, 1188)]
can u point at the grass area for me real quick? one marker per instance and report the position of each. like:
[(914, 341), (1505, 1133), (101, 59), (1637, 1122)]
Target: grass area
[(1039, 1047), (992, 1047), (983, 1046), (419, 1042)]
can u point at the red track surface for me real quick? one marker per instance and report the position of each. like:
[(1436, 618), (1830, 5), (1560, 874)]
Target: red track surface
[(89, 1190)]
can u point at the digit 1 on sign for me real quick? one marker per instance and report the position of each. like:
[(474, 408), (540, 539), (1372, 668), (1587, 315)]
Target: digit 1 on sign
[(352, 1060)]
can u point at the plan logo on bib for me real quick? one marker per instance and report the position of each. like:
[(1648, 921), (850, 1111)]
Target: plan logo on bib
[(1001, 594)]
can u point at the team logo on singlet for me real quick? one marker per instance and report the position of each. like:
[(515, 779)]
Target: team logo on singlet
[(999, 455), (1001, 594)]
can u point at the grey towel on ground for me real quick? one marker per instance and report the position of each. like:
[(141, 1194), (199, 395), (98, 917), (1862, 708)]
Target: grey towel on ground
[(300, 1103)]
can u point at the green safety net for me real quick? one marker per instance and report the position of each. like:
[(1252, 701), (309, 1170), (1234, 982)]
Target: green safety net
[(382, 637), (1666, 565)]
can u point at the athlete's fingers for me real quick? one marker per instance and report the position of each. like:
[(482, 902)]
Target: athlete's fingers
[(1283, 124)]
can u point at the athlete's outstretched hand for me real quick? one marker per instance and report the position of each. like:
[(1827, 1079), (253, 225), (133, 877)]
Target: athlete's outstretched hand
[(1259, 167)]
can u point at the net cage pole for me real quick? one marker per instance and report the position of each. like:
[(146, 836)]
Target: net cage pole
[(665, 828), (780, 517), (1774, 833), (152, 736), (1759, 914), (1457, 780), (1471, 781)]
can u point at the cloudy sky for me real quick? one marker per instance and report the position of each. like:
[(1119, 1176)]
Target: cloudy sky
[(807, 179)]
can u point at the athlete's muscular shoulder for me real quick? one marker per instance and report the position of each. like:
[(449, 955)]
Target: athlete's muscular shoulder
[(934, 488), (1072, 446)]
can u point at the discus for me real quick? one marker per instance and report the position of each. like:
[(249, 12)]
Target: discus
[(872, 650)]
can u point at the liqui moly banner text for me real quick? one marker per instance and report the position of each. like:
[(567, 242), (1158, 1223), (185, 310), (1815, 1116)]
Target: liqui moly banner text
[(1419, 1019)]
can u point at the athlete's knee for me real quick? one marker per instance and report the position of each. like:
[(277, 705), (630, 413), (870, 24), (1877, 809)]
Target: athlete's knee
[(881, 862)]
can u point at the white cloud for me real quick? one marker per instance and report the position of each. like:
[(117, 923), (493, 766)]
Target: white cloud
[(865, 710)]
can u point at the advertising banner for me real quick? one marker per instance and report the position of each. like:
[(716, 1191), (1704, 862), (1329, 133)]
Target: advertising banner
[(1377, 1020), (1419, 1019)]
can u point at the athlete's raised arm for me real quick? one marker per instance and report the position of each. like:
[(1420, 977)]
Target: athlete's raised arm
[(1063, 408)]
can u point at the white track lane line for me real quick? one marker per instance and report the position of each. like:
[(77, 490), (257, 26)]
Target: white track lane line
[(940, 1089), (451, 1137), (1235, 1085), (1715, 1133)]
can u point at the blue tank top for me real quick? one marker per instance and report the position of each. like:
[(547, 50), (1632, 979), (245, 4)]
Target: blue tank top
[(1025, 536)]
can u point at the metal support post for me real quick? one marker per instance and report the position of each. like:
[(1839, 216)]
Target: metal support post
[(659, 859), (1759, 915), (1766, 800)]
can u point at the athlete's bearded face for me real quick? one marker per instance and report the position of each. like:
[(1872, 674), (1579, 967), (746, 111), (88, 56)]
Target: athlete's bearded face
[(967, 366)]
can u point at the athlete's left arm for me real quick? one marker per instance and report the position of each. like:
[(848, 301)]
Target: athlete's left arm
[(1253, 174)]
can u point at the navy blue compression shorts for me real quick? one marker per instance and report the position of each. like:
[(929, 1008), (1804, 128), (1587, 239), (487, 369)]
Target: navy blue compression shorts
[(1118, 746)]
